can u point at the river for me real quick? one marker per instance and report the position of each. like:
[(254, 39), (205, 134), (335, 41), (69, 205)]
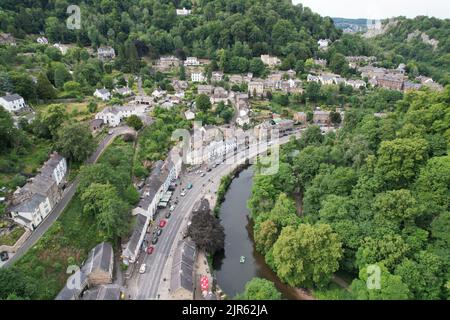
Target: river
[(232, 275)]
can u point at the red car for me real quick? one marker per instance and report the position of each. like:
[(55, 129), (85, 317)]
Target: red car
[(150, 250), (162, 223)]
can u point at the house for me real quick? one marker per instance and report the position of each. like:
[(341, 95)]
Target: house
[(217, 76), (205, 89), (356, 84), (113, 115), (320, 62), (270, 61), (106, 53), (191, 61), (182, 273), (312, 78), (183, 12), (96, 124), (236, 79), (219, 95), (327, 79), (291, 74), (242, 120), (391, 82), (323, 43), (167, 63), (7, 38), (197, 77), (248, 77), (411, 86), (123, 91), (300, 117), (12, 103), (96, 273), (32, 203), (282, 125), (158, 93), (321, 117), (256, 88), (99, 265), (102, 94), (180, 85), (189, 115), (42, 40), (62, 48)]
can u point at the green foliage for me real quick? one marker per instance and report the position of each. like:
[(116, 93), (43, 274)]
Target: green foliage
[(75, 142), (135, 122), (297, 251), (259, 289)]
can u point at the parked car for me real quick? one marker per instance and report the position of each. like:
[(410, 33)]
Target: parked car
[(142, 268), (162, 223), (203, 174), (155, 240), (172, 208), (150, 250), (168, 214), (183, 193), (189, 186), (4, 256)]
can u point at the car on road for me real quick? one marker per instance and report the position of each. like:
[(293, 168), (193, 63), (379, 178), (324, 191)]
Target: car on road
[(209, 169), (4, 256), (172, 208), (150, 250), (183, 193), (142, 268), (110, 132), (203, 174), (155, 240), (157, 232), (162, 223), (168, 215), (189, 186)]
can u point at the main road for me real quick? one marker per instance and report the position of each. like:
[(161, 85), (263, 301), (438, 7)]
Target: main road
[(68, 194), (154, 284)]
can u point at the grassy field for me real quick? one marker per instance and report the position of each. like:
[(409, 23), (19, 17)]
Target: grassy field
[(69, 240)]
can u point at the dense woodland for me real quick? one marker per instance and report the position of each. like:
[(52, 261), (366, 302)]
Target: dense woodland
[(374, 193)]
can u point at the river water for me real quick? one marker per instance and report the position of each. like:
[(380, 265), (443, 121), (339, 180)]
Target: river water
[(232, 275)]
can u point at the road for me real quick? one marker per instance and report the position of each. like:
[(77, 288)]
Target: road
[(155, 282), (68, 194)]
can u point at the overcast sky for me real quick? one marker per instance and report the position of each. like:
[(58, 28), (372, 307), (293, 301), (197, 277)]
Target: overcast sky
[(378, 9)]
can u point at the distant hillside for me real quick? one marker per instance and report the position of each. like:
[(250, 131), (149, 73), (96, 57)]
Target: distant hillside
[(351, 25)]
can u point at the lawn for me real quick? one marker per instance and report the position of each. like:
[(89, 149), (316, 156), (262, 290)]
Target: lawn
[(70, 238)]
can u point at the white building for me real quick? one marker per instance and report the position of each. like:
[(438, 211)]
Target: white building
[(12, 102), (158, 93), (113, 115), (323, 43), (356, 84), (124, 91), (217, 76), (189, 115), (42, 40), (191, 61), (197, 77), (103, 94), (106, 53), (183, 12), (241, 121), (61, 48), (270, 61)]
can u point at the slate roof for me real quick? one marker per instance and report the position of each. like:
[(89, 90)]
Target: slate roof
[(103, 292), (133, 243), (12, 97), (152, 184), (100, 259), (28, 205), (73, 292), (183, 267), (103, 91)]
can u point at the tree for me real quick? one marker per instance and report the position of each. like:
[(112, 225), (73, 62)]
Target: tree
[(257, 67), (61, 75), (182, 74), (395, 209), (203, 102), (102, 203), (92, 107), (297, 251), (44, 88), (424, 276), (206, 231), (75, 142), (265, 234), (388, 250), (391, 286), (135, 122), (399, 161), (259, 289), (335, 118), (14, 282)]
